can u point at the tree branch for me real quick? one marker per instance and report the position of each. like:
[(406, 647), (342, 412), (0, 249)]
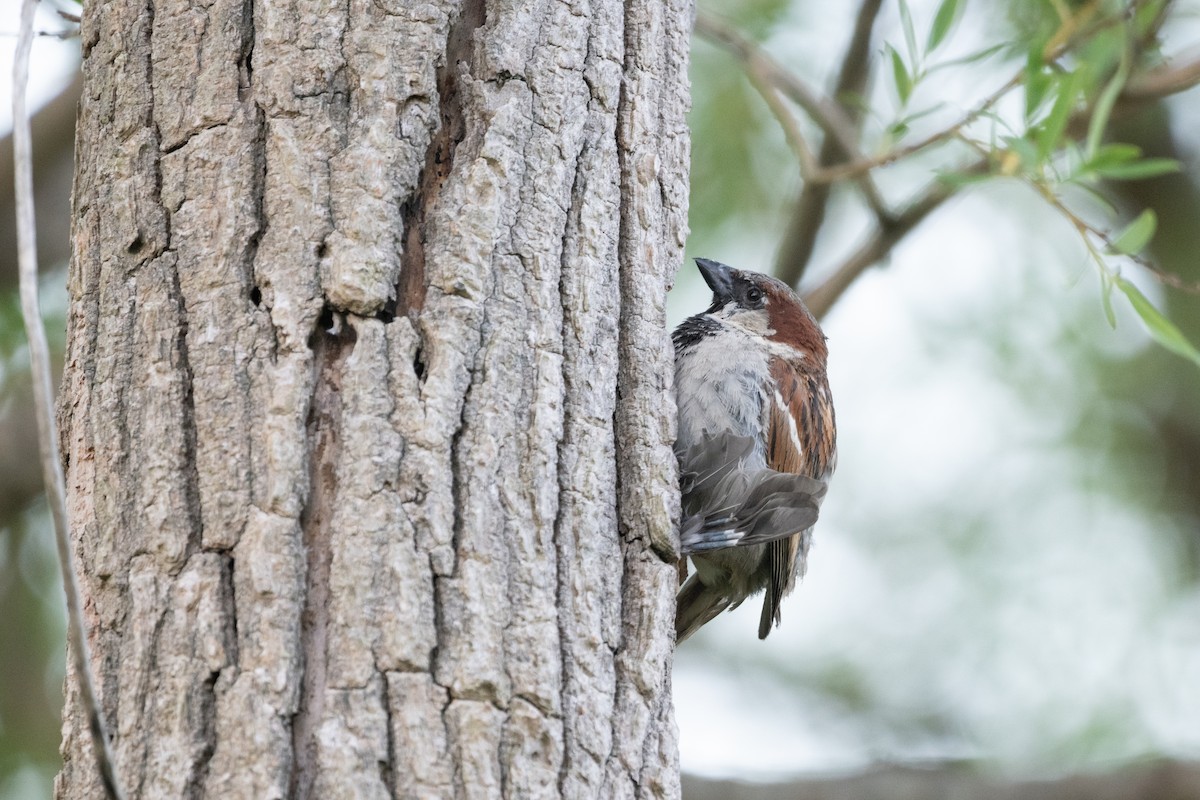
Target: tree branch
[(809, 212), (769, 78), (39, 357), (829, 117), (1162, 82), (765, 76), (822, 298)]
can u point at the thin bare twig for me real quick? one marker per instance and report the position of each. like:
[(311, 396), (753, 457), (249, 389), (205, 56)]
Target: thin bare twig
[(66, 33), (1087, 229), (764, 77), (828, 116), (39, 358), (769, 78), (851, 169)]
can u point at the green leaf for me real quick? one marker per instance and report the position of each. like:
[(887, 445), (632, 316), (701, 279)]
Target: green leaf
[(925, 112), (1136, 235), (1052, 128), (971, 58), (1106, 288), (910, 33), (958, 179), (1162, 329), (901, 75), (946, 15), (1110, 155), (1136, 170), (1098, 197), (1104, 105), (897, 131), (1037, 82)]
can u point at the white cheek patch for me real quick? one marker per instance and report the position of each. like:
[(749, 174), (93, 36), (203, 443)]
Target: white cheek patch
[(752, 322)]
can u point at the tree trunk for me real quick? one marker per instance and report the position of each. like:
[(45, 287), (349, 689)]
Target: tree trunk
[(366, 404)]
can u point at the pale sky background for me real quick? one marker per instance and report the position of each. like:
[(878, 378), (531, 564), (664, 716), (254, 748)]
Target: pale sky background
[(1064, 614), (52, 61)]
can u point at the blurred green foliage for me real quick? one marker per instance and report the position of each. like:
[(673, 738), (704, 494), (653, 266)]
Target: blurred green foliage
[(32, 627)]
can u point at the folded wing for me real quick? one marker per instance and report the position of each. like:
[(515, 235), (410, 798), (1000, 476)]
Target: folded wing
[(728, 504)]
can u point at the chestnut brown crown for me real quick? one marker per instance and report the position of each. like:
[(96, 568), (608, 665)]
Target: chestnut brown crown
[(767, 307)]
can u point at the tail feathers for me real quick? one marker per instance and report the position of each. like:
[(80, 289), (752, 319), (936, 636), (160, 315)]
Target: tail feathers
[(696, 604), (770, 614)]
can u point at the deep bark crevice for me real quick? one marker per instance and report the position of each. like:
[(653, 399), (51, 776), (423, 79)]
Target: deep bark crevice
[(386, 768), (439, 160), (332, 343), (188, 424)]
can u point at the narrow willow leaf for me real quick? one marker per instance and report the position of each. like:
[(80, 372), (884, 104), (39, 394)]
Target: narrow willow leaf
[(910, 33), (909, 119), (1037, 82), (1162, 329), (901, 76), (1106, 289), (1104, 105), (1099, 198), (1109, 155), (971, 58), (1136, 170), (1137, 234), (897, 131), (959, 179), (946, 15), (1055, 124)]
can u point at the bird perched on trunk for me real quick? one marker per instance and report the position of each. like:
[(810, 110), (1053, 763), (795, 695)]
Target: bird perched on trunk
[(756, 444)]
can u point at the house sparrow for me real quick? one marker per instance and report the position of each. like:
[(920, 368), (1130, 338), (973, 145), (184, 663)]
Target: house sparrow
[(756, 444)]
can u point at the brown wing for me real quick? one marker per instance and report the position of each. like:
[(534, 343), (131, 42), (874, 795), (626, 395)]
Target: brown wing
[(799, 440)]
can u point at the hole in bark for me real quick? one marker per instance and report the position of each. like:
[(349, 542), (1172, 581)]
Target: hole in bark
[(419, 363), (332, 329), (324, 325), (256, 296), (136, 245), (388, 312), (322, 250)]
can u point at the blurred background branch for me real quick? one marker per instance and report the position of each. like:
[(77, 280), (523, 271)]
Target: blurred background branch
[(809, 212), (1165, 780), (841, 155)]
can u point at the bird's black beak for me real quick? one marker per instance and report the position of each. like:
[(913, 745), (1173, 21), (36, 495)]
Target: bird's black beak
[(719, 278)]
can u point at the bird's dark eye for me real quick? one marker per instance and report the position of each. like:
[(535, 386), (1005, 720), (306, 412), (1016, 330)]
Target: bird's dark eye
[(754, 296)]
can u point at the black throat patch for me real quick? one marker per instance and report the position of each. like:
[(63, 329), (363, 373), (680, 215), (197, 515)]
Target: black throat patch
[(692, 330)]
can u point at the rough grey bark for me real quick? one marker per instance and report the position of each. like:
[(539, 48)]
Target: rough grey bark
[(366, 404)]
